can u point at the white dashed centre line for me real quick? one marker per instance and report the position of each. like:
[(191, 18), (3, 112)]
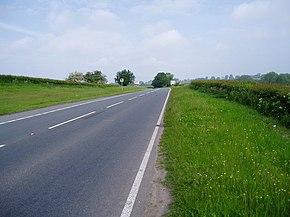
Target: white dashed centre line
[(132, 98), (142, 94), (1, 146), (61, 109), (118, 103), (68, 121)]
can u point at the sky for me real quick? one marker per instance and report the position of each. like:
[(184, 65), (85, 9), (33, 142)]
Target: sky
[(189, 38)]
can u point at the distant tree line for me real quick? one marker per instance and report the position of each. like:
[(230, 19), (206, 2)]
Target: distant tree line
[(124, 77), (45, 81), (271, 77)]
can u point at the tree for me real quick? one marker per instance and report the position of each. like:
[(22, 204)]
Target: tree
[(284, 79), (162, 79), (96, 77), (270, 77), (75, 77), (126, 75), (273, 77), (169, 76), (245, 78)]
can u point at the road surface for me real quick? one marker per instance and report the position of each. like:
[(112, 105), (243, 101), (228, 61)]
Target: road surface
[(79, 159)]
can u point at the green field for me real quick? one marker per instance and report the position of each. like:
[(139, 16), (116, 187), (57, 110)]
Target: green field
[(15, 97), (224, 159)]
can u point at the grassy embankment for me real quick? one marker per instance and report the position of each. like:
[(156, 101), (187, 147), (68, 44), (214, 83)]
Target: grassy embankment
[(272, 100), (15, 97), (224, 159)]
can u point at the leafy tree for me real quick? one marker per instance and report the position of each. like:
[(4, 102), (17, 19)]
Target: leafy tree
[(273, 77), (169, 76), (95, 77), (162, 79), (75, 77), (283, 79), (127, 75), (245, 78), (270, 77)]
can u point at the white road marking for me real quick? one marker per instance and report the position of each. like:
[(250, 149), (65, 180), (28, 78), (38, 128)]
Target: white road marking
[(1, 146), (118, 103), (132, 98), (142, 94), (163, 109), (68, 121), (128, 207), (60, 109)]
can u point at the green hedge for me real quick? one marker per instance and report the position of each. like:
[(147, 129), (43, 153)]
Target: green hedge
[(270, 100), (31, 80)]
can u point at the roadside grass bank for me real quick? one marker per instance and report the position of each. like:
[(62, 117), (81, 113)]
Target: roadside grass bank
[(16, 97), (223, 158), (272, 100)]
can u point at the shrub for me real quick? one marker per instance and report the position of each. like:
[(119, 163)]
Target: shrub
[(31, 80)]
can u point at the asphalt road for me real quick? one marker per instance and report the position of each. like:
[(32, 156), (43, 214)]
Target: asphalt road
[(77, 159)]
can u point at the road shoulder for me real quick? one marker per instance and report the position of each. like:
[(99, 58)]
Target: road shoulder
[(159, 197)]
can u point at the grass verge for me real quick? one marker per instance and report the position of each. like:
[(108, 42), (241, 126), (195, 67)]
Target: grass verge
[(224, 159), (16, 97)]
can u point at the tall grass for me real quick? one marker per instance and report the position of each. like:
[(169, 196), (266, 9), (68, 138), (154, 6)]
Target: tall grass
[(15, 97), (272, 100), (224, 159)]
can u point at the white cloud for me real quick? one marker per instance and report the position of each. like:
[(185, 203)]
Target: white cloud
[(85, 40), (252, 10), (100, 19), (169, 39), (157, 28), (274, 12), (21, 43), (56, 37), (221, 46), (103, 19), (184, 7), (19, 29), (103, 61), (60, 21)]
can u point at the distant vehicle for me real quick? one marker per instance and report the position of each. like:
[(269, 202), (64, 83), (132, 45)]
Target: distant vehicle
[(172, 82)]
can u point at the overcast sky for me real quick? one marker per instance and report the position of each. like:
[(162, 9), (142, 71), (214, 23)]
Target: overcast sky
[(189, 38)]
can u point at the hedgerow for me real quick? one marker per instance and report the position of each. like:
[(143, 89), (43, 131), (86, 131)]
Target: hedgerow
[(31, 80), (269, 99)]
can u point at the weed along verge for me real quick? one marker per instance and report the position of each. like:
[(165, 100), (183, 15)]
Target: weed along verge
[(223, 158), (272, 100)]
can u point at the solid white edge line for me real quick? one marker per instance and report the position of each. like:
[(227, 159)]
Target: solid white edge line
[(68, 121), (163, 109), (118, 103), (138, 179), (1, 146), (60, 109), (132, 98), (128, 207)]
